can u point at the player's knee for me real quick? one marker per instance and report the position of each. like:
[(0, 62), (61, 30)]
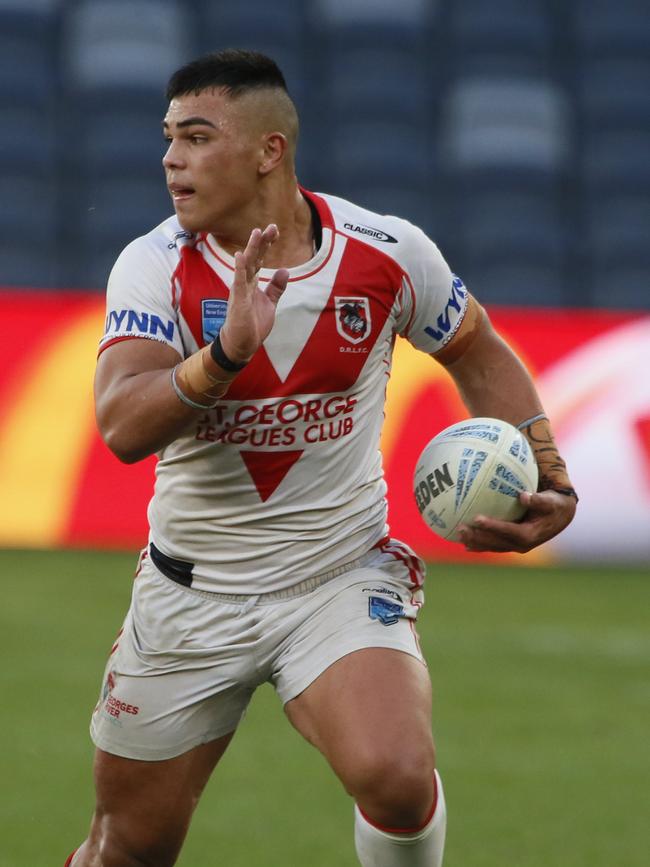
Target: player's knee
[(396, 791)]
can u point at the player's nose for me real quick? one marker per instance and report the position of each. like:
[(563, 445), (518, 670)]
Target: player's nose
[(172, 158)]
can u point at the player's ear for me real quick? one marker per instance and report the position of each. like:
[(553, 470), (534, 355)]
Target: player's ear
[(274, 148)]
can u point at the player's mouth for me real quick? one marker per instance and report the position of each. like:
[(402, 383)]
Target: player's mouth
[(180, 193)]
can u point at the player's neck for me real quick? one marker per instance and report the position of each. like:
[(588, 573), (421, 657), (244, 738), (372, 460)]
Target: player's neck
[(286, 208)]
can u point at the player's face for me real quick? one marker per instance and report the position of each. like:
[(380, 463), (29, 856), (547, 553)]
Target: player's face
[(211, 164)]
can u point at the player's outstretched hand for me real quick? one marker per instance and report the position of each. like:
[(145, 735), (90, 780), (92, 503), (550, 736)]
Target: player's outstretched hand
[(251, 308), (548, 514)]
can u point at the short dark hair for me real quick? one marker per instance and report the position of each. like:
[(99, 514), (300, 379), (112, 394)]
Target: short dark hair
[(234, 70)]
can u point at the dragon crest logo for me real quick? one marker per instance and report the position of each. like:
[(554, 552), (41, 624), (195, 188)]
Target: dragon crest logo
[(353, 318)]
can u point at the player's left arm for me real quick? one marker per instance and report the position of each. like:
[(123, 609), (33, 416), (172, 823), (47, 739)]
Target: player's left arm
[(493, 382)]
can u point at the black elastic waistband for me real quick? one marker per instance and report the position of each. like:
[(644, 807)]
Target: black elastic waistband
[(179, 571)]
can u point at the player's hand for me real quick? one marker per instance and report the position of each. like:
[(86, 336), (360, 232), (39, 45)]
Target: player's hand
[(548, 514), (251, 308)]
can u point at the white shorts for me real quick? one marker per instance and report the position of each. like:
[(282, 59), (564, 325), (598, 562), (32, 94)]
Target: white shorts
[(187, 662)]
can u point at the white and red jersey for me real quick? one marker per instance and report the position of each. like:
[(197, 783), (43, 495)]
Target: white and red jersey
[(283, 479)]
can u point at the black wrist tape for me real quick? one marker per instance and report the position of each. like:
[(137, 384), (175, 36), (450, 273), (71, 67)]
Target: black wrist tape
[(220, 357)]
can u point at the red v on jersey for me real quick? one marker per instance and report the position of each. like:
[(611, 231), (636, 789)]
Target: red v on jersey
[(267, 469), (327, 361)]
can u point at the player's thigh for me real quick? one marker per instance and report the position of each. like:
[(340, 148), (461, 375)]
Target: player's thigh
[(369, 713), (144, 807)]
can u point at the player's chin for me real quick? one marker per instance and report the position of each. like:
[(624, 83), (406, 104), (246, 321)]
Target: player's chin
[(189, 217)]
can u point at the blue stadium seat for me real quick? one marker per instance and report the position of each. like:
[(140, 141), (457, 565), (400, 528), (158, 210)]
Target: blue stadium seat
[(109, 214), (28, 140), (28, 72), (616, 161), (377, 80), (28, 227), (505, 122), (614, 93), (614, 28), (234, 25), (624, 287), (618, 252), (132, 44), (29, 21), (380, 151), (24, 265), (118, 57), (127, 139), (37, 77), (406, 13), (517, 284), (514, 248), (278, 29), (500, 27)]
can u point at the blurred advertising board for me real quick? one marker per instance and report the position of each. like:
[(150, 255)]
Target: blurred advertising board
[(60, 486)]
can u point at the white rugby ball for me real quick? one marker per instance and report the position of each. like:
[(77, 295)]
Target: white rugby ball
[(477, 466)]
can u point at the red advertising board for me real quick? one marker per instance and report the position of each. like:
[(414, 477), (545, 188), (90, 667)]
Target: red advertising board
[(60, 486)]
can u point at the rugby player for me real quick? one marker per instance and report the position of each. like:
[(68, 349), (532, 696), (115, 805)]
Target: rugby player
[(248, 343)]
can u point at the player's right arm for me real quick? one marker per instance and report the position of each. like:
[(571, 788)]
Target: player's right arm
[(146, 394)]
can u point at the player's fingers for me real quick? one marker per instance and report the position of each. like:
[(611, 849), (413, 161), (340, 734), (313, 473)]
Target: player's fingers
[(266, 238), (270, 234), (240, 279), (538, 503), (251, 255), (277, 284), (513, 537)]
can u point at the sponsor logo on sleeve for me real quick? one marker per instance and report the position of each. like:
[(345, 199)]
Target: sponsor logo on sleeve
[(122, 322), (213, 315), (353, 318), (449, 319)]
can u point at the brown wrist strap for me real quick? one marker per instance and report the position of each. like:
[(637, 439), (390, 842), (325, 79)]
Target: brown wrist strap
[(193, 375)]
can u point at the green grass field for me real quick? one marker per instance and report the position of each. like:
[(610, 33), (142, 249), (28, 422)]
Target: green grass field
[(542, 711)]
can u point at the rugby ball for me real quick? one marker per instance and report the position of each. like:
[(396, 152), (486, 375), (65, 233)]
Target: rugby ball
[(477, 466)]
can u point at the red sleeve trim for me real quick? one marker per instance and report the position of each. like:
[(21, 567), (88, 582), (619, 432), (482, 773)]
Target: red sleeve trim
[(130, 337)]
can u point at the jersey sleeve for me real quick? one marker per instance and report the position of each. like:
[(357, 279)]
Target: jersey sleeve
[(433, 300), (139, 297)]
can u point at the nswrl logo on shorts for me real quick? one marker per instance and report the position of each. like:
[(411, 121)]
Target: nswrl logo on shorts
[(385, 611)]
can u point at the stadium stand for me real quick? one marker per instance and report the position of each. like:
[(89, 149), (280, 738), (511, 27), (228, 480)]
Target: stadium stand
[(116, 56), (28, 143), (505, 146), (378, 108), (503, 36), (516, 134), (278, 29)]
